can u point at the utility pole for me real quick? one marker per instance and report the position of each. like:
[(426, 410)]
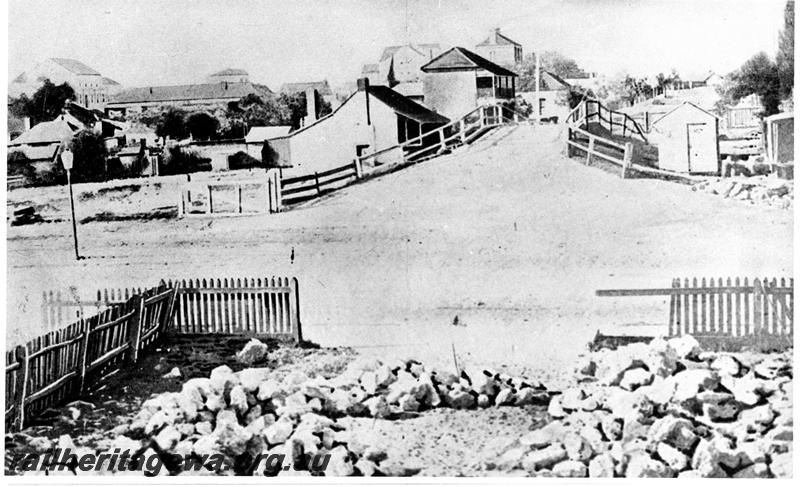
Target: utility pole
[(537, 79)]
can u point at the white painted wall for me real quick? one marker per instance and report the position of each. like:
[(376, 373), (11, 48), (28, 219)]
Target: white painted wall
[(331, 142), (670, 134), (450, 94)]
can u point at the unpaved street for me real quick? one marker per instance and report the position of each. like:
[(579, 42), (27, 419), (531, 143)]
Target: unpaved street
[(510, 237)]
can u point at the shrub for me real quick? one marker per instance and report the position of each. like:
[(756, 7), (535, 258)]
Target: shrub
[(242, 160), (179, 161)]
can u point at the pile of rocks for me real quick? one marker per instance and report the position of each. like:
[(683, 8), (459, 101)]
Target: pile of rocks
[(666, 409), (761, 190), (253, 412)]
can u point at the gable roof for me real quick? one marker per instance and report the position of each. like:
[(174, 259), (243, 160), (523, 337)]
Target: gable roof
[(552, 82), (678, 107), (460, 59), (260, 134), (74, 66), (39, 152), (55, 131), (231, 72), (322, 87), (421, 49), (405, 106), (498, 39), (205, 91)]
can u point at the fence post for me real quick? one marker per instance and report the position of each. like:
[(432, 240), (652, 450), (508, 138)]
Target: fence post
[(21, 356), (758, 293), (294, 310), (358, 168), (316, 181), (269, 193), (182, 204), (209, 209), (85, 326), (589, 150), (463, 131), (626, 158), (569, 138), (278, 191), (442, 145), (135, 328), (239, 198)]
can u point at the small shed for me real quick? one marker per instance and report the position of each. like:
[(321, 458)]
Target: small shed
[(779, 137), (688, 140)]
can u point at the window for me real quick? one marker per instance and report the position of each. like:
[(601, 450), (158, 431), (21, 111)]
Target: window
[(541, 106)]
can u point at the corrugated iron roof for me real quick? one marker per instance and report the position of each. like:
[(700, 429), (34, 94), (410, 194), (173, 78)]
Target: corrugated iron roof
[(74, 66), (206, 91), (460, 59), (55, 131), (260, 134), (422, 49), (405, 106), (498, 39)]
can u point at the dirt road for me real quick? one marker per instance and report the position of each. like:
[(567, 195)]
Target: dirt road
[(510, 237)]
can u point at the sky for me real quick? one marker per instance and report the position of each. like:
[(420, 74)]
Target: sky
[(148, 42)]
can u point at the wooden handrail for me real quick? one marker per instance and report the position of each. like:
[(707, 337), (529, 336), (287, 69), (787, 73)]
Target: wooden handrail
[(420, 138)]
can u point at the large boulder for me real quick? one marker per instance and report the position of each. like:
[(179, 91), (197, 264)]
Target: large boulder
[(676, 432), (253, 352), (544, 458), (642, 465)]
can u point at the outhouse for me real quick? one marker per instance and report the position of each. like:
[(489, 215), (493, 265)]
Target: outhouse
[(779, 137), (688, 140)]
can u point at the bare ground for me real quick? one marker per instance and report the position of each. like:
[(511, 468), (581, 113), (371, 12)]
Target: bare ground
[(510, 237)]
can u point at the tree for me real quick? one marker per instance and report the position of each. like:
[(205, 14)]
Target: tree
[(785, 57), (559, 64), (90, 153), (551, 61), (202, 126), (172, 123), (45, 104), (759, 75)]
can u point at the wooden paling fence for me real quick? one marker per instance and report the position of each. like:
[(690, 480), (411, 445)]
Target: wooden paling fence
[(730, 308), (242, 306), (65, 363)]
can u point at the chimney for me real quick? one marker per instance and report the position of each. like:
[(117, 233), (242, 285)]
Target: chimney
[(363, 85), (311, 105), (26, 123), (496, 35), (151, 90)]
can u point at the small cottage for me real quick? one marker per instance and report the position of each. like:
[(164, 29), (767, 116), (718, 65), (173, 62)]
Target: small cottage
[(687, 139)]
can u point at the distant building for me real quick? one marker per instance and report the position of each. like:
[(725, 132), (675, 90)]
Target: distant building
[(230, 75), (553, 101), (190, 97), (458, 81), (322, 88), (585, 80), (372, 72), (499, 49), (688, 140), (92, 90)]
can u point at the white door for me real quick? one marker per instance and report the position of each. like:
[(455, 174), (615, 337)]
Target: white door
[(701, 147)]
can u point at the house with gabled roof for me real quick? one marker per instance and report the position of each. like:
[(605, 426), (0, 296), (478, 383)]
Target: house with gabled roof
[(553, 101), (458, 81), (500, 49), (92, 90), (370, 119), (230, 75)]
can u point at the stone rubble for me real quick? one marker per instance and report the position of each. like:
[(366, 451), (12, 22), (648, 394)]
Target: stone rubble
[(250, 412), (761, 190), (666, 409)]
